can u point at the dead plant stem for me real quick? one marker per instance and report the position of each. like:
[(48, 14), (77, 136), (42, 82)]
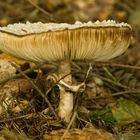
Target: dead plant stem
[(117, 65), (69, 125), (111, 81), (48, 15), (17, 118)]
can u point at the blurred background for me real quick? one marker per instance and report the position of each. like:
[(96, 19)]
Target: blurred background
[(12, 11)]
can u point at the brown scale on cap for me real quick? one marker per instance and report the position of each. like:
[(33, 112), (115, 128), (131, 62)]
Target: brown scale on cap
[(62, 42)]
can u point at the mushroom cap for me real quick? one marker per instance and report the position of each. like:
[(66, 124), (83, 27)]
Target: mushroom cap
[(39, 42)]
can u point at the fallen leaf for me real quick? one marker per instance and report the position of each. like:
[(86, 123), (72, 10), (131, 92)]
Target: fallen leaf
[(126, 111), (131, 136)]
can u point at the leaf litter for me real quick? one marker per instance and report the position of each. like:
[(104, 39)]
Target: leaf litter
[(109, 106)]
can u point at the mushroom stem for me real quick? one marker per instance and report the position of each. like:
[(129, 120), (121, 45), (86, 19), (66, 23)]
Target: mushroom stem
[(66, 98)]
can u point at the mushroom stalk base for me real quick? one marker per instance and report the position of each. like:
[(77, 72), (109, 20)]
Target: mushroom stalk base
[(66, 98), (65, 105)]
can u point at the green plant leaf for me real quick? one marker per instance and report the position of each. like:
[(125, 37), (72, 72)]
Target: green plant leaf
[(103, 116), (131, 136), (126, 111)]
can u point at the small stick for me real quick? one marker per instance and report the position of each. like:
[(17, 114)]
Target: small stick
[(100, 64), (17, 118), (110, 81), (51, 18), (105, 79), (117, 94), (118, 65), (88, 71), (125, 92), (69, 125), (109, 73), (37, 89)]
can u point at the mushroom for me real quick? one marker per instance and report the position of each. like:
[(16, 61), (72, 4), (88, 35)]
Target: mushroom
[(62, 43)]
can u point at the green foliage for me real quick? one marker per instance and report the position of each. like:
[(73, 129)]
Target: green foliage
[(105, 116), (131, 136), (126, 111)]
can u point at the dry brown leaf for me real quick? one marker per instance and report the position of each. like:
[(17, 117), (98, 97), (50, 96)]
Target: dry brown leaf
[(78, 134), (11, 59)]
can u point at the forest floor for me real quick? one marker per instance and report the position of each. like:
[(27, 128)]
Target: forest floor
[(109, 107)]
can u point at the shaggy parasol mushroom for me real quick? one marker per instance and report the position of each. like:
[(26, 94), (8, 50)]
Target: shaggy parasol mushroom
[(38, 42)]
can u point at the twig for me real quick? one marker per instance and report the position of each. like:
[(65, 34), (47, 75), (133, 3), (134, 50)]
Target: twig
[(19, 74), (116, 94), (87, 73), (109, 73), (105, 79), (110, 81), (101, 64), (48, 15), (17, 118), (126, 92), (69, 125), (38, 90), (117, 65)]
